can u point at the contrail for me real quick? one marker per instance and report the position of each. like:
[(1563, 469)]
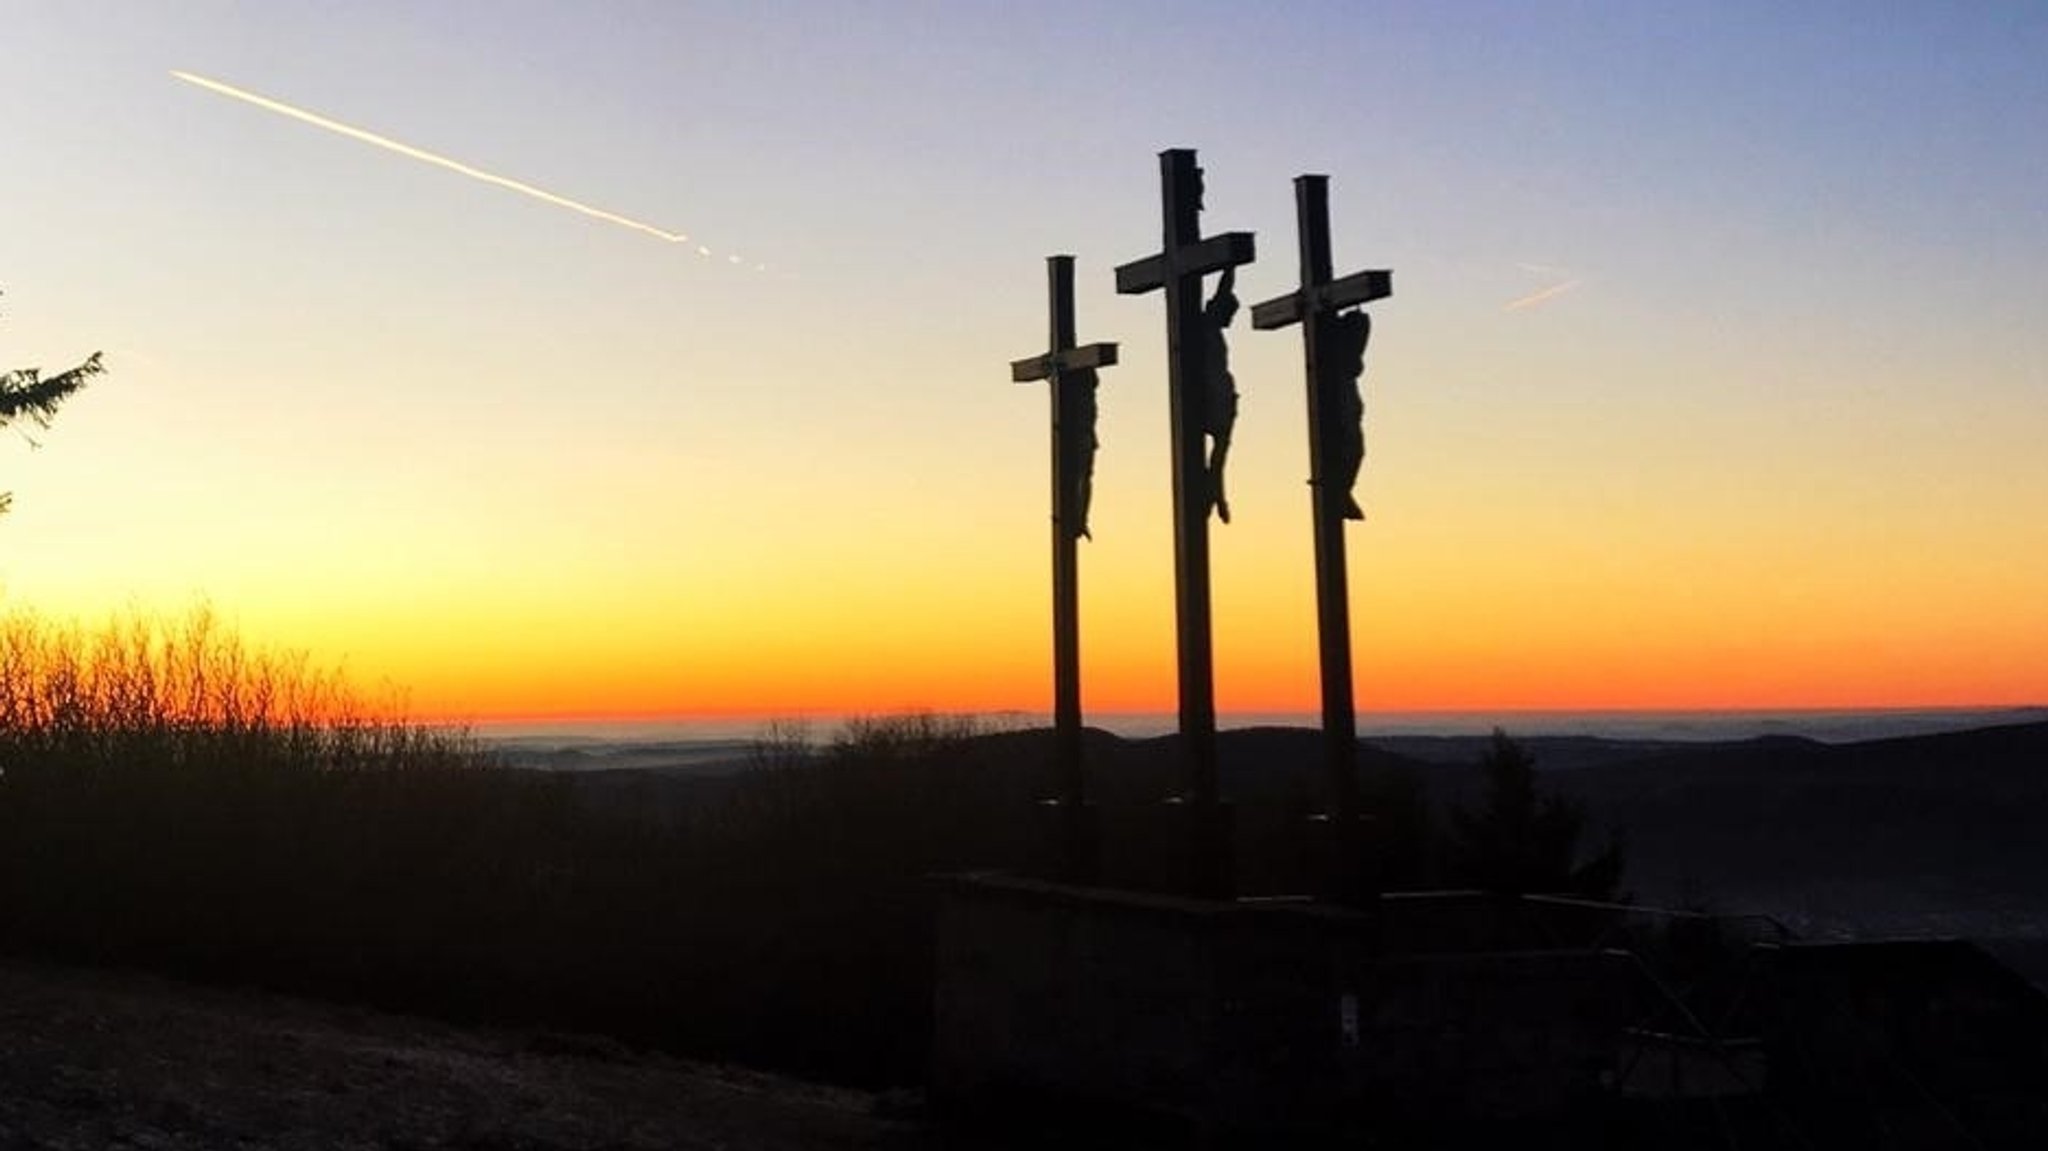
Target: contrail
[(1535, 298), (385, 142)]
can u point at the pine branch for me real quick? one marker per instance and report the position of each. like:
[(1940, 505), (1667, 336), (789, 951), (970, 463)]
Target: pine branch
[(24, 395)]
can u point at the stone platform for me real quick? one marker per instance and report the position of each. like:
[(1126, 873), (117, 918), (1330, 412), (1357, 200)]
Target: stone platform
[(1449, 1018)]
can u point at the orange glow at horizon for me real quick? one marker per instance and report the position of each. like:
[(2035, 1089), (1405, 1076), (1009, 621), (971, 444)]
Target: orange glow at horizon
[(1412, 669), (1737, 614)]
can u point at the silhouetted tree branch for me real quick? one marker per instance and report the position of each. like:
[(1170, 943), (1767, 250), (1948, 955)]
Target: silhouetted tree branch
[(26, 394)]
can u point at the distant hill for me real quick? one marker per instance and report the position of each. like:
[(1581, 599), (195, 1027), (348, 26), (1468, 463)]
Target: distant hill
[(1933, 834), (1940, 834), (1927, 834)]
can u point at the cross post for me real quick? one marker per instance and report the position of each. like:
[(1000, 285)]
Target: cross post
[(1333, 415), (1070, 372), (1184, 258)]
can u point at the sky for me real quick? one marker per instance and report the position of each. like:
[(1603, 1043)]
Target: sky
[(1715, 375)]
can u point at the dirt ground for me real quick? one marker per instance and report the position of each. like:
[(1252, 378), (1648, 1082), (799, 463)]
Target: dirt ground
[(104, 1060)]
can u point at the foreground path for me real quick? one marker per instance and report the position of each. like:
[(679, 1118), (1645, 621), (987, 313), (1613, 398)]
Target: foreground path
[(94, 1060)]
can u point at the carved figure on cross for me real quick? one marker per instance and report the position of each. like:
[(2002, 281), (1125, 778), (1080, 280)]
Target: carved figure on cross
[(1219, 388), (1343, 358), (1078, 443)]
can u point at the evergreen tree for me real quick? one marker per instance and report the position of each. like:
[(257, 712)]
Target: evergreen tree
[(1520, 841), (27, 394)]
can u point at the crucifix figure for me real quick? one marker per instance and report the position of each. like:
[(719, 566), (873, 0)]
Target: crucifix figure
[(1333, 344), (1195, 366), (1219, 388), (1342, 362), (1070, 371), (1075, 417)]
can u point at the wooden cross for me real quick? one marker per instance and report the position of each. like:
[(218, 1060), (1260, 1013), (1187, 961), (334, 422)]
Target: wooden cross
[(1184, 258), (1332, 415), (1070, 371)]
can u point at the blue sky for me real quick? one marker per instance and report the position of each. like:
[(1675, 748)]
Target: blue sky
[(1788, 414)]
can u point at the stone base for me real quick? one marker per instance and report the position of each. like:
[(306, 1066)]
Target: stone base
[(1461, 1019), (1067, 844), (1178, 848), (1344, 861), (1254, 1015)]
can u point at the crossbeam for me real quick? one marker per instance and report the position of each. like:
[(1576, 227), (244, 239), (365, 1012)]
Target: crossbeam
[(1042, 367), (1354, 289), (1200, 258)]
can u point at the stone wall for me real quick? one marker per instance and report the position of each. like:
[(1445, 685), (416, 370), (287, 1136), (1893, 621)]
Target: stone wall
[(1916, 1041), (1262, 1015), (1457, 1019)]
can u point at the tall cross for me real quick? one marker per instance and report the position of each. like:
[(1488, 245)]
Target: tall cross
[(1184, 258), (1333, 345), (1070, 370)]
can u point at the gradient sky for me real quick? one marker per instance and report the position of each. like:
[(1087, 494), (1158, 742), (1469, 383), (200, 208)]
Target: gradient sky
[(1783, 441)]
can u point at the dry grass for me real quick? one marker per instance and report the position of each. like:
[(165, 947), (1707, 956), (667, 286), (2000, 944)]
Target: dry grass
[(141, 693)]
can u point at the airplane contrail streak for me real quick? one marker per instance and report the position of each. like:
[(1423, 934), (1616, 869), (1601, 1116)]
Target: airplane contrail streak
[(1535, 298), (439, 161)]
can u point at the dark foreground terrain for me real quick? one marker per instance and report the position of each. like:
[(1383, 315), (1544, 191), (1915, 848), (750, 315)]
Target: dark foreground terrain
[(93, 1060), (782, 916)]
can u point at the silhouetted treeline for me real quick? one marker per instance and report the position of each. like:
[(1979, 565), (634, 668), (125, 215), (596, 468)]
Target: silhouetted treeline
[(168, 800)]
